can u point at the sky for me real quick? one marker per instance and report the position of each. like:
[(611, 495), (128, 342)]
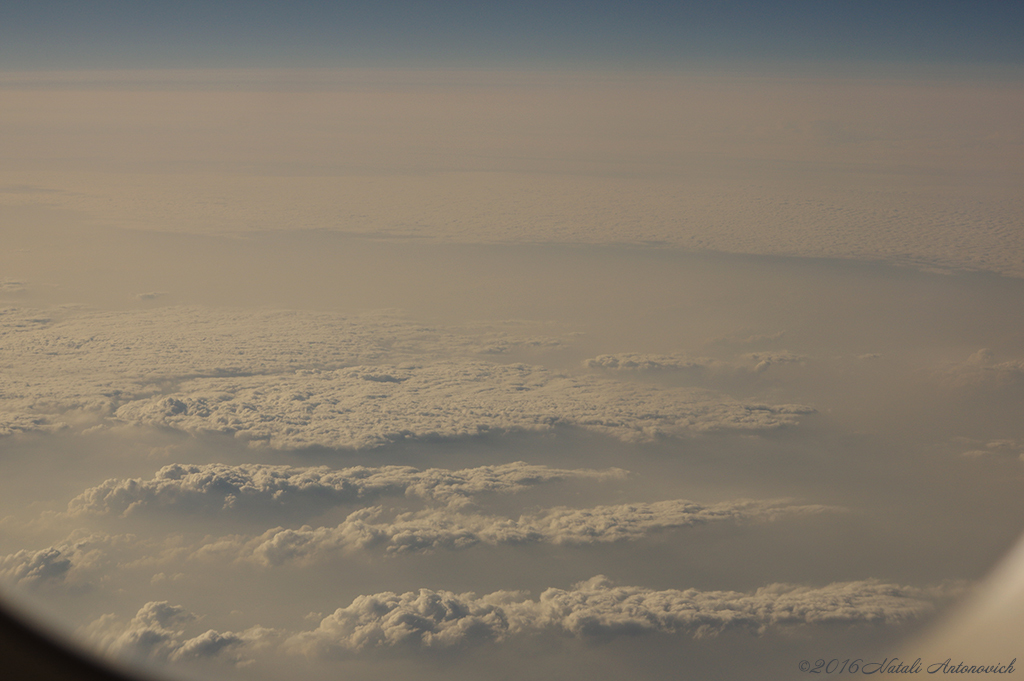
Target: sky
[(588, 33), (457, 341)]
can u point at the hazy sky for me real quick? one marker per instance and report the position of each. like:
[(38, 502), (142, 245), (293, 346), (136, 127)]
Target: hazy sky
[(62, 35), (458, 341)]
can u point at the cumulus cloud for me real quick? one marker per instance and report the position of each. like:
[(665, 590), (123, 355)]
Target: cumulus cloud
[(368, 406), (597, 609), (31, 567), (445, 529), (157, 632), (61, 563), (201, 487)]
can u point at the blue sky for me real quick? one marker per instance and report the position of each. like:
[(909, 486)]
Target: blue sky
[(53, 34)]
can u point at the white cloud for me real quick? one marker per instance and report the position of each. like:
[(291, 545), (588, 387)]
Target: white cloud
[(597, 609), (198, 487)]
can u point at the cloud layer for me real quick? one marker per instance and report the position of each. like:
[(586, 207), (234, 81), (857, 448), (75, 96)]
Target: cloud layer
[(292, 380), (87, 556), (595, 610), (221, 487), (368, 406), (695, 367), (443, 529), (598, 609)]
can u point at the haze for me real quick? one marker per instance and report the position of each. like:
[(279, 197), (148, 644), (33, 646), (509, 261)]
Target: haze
[(517, 371)]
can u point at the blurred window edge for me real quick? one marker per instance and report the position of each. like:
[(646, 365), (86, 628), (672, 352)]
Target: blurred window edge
[(31, 650)]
